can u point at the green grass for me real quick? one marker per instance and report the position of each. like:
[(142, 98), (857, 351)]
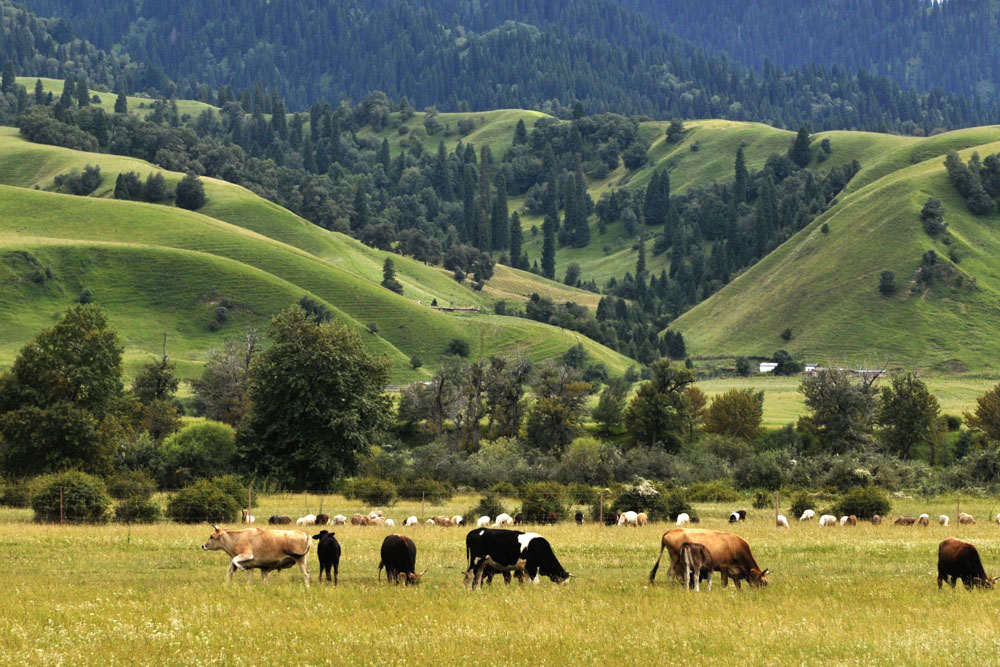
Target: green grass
[(136, 104), (93, 594)]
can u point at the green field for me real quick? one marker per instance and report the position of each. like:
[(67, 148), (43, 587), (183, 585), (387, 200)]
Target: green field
[(108, 595), (136, 104)]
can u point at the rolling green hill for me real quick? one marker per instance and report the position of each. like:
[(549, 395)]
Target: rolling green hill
[(238, 249)]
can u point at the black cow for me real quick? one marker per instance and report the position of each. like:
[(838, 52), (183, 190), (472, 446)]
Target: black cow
[(399, 558), (611, 519), (579, 518), (328, 551), (518, 519), (510, 550), (960, 560), (278, 519)]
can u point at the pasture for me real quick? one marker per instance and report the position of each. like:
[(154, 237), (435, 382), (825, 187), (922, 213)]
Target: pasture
[(866, 595)]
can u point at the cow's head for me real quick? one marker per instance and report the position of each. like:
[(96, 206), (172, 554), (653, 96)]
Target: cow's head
[(412, 578), (214, 540), (322, 534), (758, 577), (984, 583)]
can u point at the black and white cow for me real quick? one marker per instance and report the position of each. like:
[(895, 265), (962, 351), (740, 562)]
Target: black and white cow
[(511, 550)]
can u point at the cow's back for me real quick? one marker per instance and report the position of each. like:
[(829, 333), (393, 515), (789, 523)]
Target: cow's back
[(959, 559), (726, 549)]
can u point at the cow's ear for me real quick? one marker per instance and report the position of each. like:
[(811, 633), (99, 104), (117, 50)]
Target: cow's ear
[(767, 571), (215, 527)]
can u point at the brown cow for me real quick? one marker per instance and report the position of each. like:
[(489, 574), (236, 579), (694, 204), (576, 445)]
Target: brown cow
[(965, 518), (904, 521), (694, 565), (356, 519), (960, 560), (642, 518), (266, 550), (731, 554), (441, 520), (876, 520)]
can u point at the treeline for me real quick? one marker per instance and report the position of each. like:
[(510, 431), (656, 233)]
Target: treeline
[(489, 55), (918, 44), (978, 181)]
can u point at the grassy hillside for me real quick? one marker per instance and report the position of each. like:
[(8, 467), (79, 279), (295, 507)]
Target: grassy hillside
[(138, 105)]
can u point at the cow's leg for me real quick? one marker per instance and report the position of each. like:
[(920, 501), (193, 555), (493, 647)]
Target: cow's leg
[(725, 578), (953, 581), (709, 578), (264, 574), (336, 569), (737, 580), (940, 580), (477, 579), (304, 568)]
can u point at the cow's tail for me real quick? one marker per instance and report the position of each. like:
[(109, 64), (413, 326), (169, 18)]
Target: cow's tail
[(656, 566), (381, 564)]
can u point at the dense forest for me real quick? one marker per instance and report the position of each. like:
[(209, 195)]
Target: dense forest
[(484, 55), (919, 44)]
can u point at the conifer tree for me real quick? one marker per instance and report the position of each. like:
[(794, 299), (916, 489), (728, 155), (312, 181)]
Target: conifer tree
[(121, 103), (520, 133), (742, 178), (383, 154), (9, 79), (549, 247), (40, 96), (82, 92), (69, 87), (516, 239), (500, 217), (799, 151)]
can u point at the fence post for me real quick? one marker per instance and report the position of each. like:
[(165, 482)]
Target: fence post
[(600, 514), (60, 506), (776, 508), (959, 509), (422, 504), (249, 501)]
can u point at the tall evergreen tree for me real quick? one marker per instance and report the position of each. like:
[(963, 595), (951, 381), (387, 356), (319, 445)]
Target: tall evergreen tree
[(383, 154), (82, 92), (549, 226), (516, 239), (9, 79), (39, 92), (799, 150), (742, 178), (520, 133), (500, 216), (121, 103), (69, 87)]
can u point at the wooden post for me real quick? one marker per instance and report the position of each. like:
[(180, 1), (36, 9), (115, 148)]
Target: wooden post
[(600, 514), (249, 501), (421, 504), (959, 508), (60, 506), (775, 508)]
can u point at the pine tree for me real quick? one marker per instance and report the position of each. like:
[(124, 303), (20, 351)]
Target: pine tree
[(360, 217), (516, 239), (799, 150), (441, 174), (82, 92), (39, 92), (742, 178), (121, 103), (520, 133), (549, 247), (500, 216), (9, 79), (383, 154), (121, 188), (640, 262), (69, 87)]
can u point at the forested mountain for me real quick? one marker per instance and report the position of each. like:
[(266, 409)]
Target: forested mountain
[(487, 55), (921, 44)]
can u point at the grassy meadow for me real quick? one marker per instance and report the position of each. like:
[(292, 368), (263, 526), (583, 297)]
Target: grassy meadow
[(866, 595)]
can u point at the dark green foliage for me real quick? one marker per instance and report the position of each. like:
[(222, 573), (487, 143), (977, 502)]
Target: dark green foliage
[(841, 410), (389, 277), (121, 103), (372, 491), (908, 414), (575, 356), (234, 487), (190, 192), (761, 471), (538, 499), (786, 334), (203, 501), (799, 150), (86, 296), (675, 131), (128, 185), (198, 451), (864, 502), (420, 489), (9, 78), (718, 491), (76, 183), (743, 367), (155, 188), (786, 364), (314, 310), (549, 226), (415, 362), (887, 283), (656, 416), (17, 493), (84, 498), (647, 497), (610, 410), (932, 215), (800, 503), (137, 510), (458, 347), (635, 155), (489, 505), (968, 180), (131, 484), (557, 414)]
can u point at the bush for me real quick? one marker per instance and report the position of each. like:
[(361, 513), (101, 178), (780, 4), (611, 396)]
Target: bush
[(504, 490), (719, 491), (540, 498), (198, 451), (864, 502), (581, 494), (800, 504), (372, 491), (234, 488), (203, 501), (190, 192), (137, 510), (84, 497), (17, 493), (676, 501), (644, 497), (131, 484), (434, 491), (761, 500), (458, 347), (763, 471), (489, 505)]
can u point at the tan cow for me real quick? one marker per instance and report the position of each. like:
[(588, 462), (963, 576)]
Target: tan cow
[(730, 553), (641, 519), (265, 550)]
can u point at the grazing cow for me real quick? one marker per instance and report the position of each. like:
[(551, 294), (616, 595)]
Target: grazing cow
[(265, 550), (518, 518), (375, 514), (429, 522), (628, 518), (960, 560), (483, 521), (924, 520), (781, 521), (611, 519), (279, 519), (739, 515), (849, 520), (510, 550), (966, 518), (504, 519), (389, 523), (247, 517), (944, 520), (904, 521), (457, 520), (828, 520), (696, 563), (876, 520), (307, 520), (356, 519), (339, 520), (551, 517), (377, 521), (808, 515), (399, 558), (322, 519), (328, 551), (730, 553), (641, 519), (441, 520), (411, 521), (579, 518), (683, 519)]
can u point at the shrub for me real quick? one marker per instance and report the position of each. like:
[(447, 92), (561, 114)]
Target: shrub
[(761, 500), (203, 501), (864, 502), (234, 488), (198, 451), (800, 504), (137, 510), (489, 505), (719, 491), (17, 493), (581, 494), (644, 497), (434, 491), (504, 489), (676, 501), (540, 498), (84, 497), (458, 347), (131, 484), (372, 491), (763, 471), (190, 192)]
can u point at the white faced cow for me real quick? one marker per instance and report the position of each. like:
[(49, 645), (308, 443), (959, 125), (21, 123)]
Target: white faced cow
[(265, 550), (510, 551)]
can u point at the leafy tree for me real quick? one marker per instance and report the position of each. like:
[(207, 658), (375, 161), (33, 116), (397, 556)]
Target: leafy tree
[(737, 413), (743, 368), (656, 414), (575, 356), (317, 401), (841, 410), (887, 283), (190, 192), (799, 150), (610, 410), (908, 414), (199, 451), (695, 401), (121, 103), (389, 277), (675, 131), (315, 311), (155, 387), (60, 403), (155, 189), (786, 364), (985, 419), (559, 409), (932, 215), (458, 347)]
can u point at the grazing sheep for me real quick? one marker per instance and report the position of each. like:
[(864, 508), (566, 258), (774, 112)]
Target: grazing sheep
[(307, 520), (629, 518), (924, 519), (966, 518), (876, 520), (828, 520), (457, 520), (247, 517), (339, 520), (943, 520), (781, 521), (356, 519), (322, 519), (683, 519), (429, 522), (849, 520), (738, 515), (904, 521), (808, 515), (411, 521), (389, 523), (504, 519), (483, 522), (277, 519)]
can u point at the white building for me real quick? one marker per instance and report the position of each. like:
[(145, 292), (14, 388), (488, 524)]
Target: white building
[(767, 366)]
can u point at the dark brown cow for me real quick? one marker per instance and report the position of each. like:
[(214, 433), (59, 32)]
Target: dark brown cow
[(904, 521), (960, 560), (694, 565), (278, 519), (730, 553)]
